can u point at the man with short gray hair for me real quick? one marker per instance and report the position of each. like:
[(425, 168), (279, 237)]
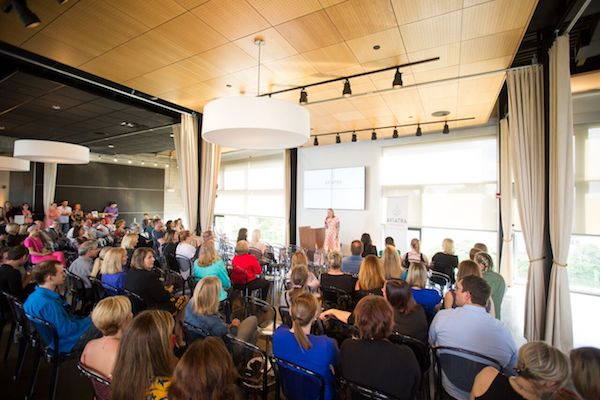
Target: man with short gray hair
[(82, 266)]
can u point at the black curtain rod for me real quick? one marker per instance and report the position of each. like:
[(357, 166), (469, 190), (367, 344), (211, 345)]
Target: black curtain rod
[(352, 76), (392, 126)]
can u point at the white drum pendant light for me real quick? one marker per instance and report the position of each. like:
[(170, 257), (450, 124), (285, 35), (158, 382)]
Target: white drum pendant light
[(257, 123), (51, 152), (13, 164)]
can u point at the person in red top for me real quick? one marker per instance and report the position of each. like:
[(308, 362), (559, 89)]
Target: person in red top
[(246, 270)]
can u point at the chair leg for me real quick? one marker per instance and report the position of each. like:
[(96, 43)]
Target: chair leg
[(8, 342), (20, 358), (54, 381), (34, 376)]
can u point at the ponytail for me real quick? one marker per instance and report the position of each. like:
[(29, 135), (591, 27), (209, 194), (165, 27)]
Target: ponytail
[(300, 336), (303, 311)]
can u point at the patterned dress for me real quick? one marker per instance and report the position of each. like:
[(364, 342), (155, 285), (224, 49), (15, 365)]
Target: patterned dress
[(332, 234), (159, 388)]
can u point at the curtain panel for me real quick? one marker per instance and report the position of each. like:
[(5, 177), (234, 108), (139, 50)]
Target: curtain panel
[(559, 324), (185, 136), (506, 201), (210, 161), (526, 139), (49, 185)]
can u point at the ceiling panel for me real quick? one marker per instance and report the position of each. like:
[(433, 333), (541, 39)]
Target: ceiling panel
[(279, 11), (231, 18), (408, 11), (310, 32), (356, 18)]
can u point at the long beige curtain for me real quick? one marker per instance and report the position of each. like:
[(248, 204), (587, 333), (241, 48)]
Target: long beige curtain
[(506, 200), (526, 138), (49, 185), (210, 161), (559, 325), (287, 181), (185, 136)]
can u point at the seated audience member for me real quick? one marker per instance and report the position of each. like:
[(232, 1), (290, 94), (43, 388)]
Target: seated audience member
[(206, 371), (185, 248), (409, 317), (367, 244), (246, 269), (111, 210), (202, 311), (76, 214), (11, 280), (351, 264), (466, 268), (79, 236), (389, 241), (477, 247), (334, 277), (13, 238), (585, 367), (242, 234), (428, 298), (141, 280), (210, 264), (178, 225), (316, 353), (112, 269), (445, 261), (372, 360), (256, 242), (470, 327), (494, 279), (129, 243), (145, 360), (120, 230), (46, 239), (541, 371), (158, 234), (37, 252), (26, 213), (414, 255), (298, 279), (370, 277), (98, 262), (392, 266), (299, 258), (45, 303), (82, 266), (170, 244), (110, 316)]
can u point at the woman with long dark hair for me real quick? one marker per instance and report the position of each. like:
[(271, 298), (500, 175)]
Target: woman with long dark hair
[(409, 317)]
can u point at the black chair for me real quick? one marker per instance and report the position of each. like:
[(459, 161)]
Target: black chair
[(296, 382), (359, 294), (286, 318), (354, 390), (50, 351), (439, 281), (17, 332), (252, 366), (176, 280), (334, 297), (265, 313), (338, 330), (422, 353), (138, 304), (460, 367), (6, 317), (185, 266), (193, 333), (98, 289), (101, 386), (81, 302)]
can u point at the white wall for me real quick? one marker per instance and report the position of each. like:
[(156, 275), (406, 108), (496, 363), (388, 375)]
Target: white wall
[(366, 153)]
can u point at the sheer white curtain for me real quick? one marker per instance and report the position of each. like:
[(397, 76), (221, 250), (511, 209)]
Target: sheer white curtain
[(506, 191), (526, 137), (210, 162), (185, 136), (49, 184), (559, 325)]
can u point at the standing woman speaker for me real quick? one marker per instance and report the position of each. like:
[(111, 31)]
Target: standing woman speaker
[(332, 232)]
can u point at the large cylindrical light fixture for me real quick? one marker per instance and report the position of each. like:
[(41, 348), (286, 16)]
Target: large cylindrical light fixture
[(13, 164), (257, 123), (51, 152)]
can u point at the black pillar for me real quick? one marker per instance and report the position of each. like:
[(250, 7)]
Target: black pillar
[(293, 194)]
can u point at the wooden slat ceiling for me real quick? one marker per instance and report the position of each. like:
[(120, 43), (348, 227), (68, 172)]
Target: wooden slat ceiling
[(192, 51)]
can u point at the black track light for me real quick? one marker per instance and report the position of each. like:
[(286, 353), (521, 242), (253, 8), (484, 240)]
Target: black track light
[(29, 19), (397, 79), (446, 129), (61, 2), (354, 136), (347, 90), (303, 97), (395, 133), (419, 132), (338, 139), (316, 142), (373, 135)]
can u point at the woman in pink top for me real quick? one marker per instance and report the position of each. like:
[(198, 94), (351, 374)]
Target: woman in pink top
[(52, 214), (246, 270), (38, 253), (26, 212)]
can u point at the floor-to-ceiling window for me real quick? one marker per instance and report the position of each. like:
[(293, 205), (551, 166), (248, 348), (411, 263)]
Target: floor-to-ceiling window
[(251, 195)]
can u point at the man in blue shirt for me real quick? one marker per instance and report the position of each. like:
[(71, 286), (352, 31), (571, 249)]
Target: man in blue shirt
[(470, 327), (351, 264), (45, 303)]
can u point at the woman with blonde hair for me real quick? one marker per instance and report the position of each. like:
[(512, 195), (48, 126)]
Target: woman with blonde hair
[(145, 361), (256, 243), (585, 365), (316, 353), (445, 261), (112, 269), (299, 258), (541, 371), (202, 311), (428, 298), (206, 371), (208, 263), (392, 266), (129, 243), (370, 276), (111, 315)]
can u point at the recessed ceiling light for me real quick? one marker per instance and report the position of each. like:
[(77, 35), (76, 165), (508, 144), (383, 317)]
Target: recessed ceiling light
[(129, 162), (376, 47), (56, 107), (441, 113), (155, 164), (143, 163), (111, 146), (123, 123), (115, 159), (166, 165), (2, 128), (171, 135)]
